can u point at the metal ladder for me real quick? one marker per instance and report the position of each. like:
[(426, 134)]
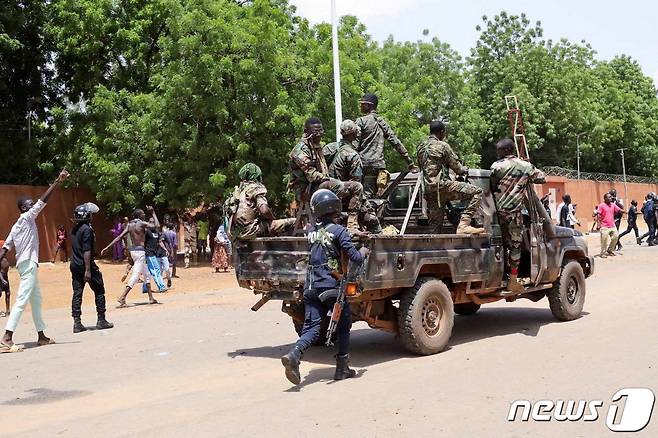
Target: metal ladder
[(516, 124)]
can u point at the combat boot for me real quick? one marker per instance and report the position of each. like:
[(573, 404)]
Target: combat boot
[(465, 227), (102, 323), (513, 285), (291, 362), (77, 326), (343, 370)]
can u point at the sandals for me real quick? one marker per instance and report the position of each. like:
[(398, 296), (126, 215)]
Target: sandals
[(15, 348)]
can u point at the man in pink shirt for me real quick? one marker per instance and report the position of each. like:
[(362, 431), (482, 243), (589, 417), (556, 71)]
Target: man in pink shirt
[(605, 217)]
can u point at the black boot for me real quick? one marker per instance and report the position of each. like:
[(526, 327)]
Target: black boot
[(102, 323), (291, 362), (343, 370), (77, 326)]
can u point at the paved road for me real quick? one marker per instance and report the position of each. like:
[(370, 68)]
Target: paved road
[(203, 364)]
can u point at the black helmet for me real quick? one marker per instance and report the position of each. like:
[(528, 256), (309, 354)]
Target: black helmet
[(325, 202), (83, 212), (370, 98)]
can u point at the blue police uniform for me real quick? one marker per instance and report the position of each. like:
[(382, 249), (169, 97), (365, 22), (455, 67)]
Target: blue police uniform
[(326, 242)]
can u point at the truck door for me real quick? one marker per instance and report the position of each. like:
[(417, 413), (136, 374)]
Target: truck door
[(537, 238)]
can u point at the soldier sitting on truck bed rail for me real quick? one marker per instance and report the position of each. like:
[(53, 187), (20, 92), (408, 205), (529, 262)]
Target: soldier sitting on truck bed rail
[(310, 173), (510, 176), (327, 240), (345, 165), (250, 212), (436, 158)]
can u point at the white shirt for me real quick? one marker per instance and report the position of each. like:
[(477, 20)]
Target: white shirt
[(24, 235)]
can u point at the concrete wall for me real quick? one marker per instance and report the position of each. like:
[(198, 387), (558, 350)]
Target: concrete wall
[(58, 211), (586, 194)]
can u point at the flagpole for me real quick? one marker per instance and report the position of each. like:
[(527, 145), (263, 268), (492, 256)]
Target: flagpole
[(337, 96)]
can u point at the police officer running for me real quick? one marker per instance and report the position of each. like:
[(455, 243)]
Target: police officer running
[(436, 159), (510, 176), (327, 239), (84, 269)]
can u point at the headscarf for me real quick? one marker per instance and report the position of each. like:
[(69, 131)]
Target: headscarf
[(250, 172)]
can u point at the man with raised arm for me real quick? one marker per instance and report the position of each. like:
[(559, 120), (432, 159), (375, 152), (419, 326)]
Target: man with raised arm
[(24, 238)]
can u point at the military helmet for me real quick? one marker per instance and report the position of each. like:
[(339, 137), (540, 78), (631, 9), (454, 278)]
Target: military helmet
[(348, 127), (370, 98), (250, 172), (325, 202), (83, 212)]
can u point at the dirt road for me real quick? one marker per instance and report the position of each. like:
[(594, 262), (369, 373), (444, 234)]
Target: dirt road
[(203, 364)]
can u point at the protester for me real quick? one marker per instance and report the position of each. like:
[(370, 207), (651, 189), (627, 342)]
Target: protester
[(595, 223), (572, 220), (632, 221), (153, 252), (650, 218), (118, 248), (4, 282), (546, 203), (24, 238), (171, 243), (60, 245), (190, 237), (163, 257), (202, 236), (137, 229), (84, 269), (221, 255), (563, 211), (606, 219)]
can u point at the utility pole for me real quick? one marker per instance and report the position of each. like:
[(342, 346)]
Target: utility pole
[(337, 96), (578, 151), (623, 167)]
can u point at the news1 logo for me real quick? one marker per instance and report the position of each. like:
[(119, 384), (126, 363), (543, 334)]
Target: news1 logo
[(629, 410)]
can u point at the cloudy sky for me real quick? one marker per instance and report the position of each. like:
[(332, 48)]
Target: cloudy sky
[(612, 27)]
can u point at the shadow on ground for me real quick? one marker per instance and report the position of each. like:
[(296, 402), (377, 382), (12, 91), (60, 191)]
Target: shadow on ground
[(44, 395), (371, 347)]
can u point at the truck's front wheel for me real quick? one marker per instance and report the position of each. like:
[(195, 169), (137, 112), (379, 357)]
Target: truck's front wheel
[(567, 297), (426, 317)]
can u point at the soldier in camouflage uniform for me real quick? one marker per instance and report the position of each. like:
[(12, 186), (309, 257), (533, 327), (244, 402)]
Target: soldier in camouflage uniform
[(251, 215), (343, 161), (436, 158), (373, 131), (310, 173), (510, 176)]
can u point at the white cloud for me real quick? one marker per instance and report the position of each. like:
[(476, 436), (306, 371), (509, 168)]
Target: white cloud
[(655, 79), (320, 10)]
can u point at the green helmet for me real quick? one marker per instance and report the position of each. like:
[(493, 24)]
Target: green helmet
[(250, 172)]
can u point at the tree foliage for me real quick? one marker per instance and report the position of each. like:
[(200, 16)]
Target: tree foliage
[(164, 100)]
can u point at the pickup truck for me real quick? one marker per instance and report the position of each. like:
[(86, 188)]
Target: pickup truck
[(413, 284)]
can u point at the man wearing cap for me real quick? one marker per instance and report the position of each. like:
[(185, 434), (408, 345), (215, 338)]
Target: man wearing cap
[(84, 268), (373, 131), (250, 213), (310, 172)]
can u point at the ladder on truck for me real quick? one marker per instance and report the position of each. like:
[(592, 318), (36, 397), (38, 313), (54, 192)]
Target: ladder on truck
[(516, 124)]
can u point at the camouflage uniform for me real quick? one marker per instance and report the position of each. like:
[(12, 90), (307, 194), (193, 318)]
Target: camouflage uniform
[(310, 173), (374, 130), (436, 158), (244, 208), (344, 162), (510, 176)]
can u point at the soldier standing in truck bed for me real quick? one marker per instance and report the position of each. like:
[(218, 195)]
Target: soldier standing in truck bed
[(310, 173), (373, 131), (510, 176), (436, 159)]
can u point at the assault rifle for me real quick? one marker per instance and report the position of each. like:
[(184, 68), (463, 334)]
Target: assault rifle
[(337, 309)]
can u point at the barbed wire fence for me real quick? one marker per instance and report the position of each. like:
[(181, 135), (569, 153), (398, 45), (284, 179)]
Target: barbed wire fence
[(597, 176)]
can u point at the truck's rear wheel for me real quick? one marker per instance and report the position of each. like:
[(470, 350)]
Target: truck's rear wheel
[(426, 317), (466, 308), (567, 297)]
